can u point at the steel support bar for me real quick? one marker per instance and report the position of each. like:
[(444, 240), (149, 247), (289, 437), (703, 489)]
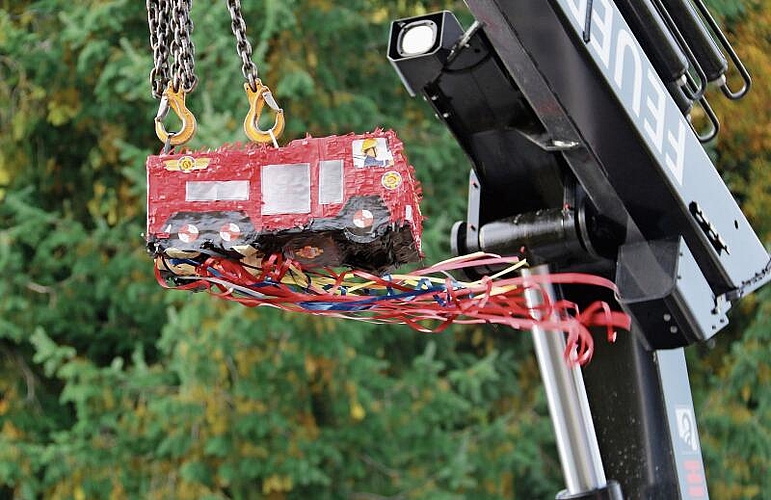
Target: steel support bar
[(568, 405)]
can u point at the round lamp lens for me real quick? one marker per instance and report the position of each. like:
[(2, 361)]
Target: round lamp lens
[(418, 39)]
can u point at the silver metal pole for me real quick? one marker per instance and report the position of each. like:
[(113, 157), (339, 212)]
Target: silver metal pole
[(568, 404)]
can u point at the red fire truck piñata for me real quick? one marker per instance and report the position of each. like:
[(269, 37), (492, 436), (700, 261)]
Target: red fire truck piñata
[(348, 200)]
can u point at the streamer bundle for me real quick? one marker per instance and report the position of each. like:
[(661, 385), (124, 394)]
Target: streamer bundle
[(428, 300)]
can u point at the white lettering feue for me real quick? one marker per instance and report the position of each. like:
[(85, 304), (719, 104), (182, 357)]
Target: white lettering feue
[(655, 104), (615, 46), (678, 146), (625, 46), (577, 8), (602, 26)]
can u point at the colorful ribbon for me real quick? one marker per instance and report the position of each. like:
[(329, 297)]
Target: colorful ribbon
[(427, 300)]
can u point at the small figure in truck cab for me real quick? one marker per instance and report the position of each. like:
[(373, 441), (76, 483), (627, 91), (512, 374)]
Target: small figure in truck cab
[(369, 148)]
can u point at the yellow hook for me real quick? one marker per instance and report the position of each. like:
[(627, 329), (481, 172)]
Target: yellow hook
[(175, 100), (257, 100)]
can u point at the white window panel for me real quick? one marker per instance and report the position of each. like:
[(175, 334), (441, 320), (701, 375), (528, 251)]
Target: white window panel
[(286, 189), (331, 181), (216, 190)]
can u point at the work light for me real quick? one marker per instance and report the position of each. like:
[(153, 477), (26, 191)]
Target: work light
[(419, 46), (417, 38)]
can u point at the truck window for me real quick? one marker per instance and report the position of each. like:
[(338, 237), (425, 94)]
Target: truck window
[(286, 189), (216, 190), (330, 181)]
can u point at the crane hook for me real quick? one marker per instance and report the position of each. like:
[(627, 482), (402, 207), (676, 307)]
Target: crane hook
[(258, 97), (175, 100)]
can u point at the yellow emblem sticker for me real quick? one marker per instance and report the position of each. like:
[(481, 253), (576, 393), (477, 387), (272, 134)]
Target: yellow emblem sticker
[(391, 180), (187, 164), (309, 252)]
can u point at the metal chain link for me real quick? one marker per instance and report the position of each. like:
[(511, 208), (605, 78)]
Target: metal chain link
[(170, 27), (243, 47), (183, 67), (158, 21)]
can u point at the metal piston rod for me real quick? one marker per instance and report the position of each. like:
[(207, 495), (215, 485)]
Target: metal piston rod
[(568, 406)]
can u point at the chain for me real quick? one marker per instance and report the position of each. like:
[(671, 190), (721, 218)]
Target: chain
[(157, 19), (183, 67), (243, 47), (173, 73), (170, 28)]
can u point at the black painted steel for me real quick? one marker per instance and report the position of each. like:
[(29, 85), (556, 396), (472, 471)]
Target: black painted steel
[(424, 67), (625, 396), (611, 132), (550, 234), (656, 40), (696, 34)]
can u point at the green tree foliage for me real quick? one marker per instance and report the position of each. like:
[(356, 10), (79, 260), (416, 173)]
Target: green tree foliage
[(733, 399), (113, 388)]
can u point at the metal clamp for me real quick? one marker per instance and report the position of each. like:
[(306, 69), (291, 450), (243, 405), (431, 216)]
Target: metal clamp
[(175, 100), (258, 97)]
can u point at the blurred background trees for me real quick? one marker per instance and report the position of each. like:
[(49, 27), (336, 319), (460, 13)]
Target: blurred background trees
[(113, 388)]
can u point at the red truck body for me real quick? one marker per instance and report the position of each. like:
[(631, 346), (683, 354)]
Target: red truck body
[(341, 200)]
